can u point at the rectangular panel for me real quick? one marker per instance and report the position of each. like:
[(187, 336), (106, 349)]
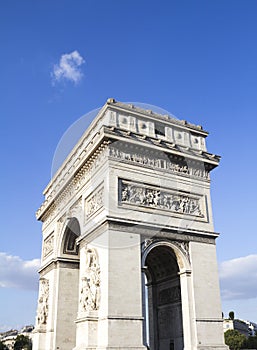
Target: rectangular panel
[(148, 196)]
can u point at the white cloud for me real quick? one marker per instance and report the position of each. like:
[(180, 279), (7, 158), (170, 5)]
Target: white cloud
[(68, 68), (18, 273), (238, 278)]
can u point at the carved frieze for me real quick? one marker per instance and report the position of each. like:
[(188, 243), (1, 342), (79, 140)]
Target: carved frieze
[(48, 245), (76, 183), (165, 163), (42, 310), (90, 283), (94, 202), (158, 198)]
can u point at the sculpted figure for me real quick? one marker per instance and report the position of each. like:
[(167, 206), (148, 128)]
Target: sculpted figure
[(195, 208), (90, 283), (42, 311), (125, 194)]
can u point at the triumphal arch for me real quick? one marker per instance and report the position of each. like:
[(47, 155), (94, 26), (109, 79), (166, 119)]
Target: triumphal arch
[(128, 254)]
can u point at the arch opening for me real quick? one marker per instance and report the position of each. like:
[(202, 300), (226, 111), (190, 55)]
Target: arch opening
[(163, 308), (71, 233)]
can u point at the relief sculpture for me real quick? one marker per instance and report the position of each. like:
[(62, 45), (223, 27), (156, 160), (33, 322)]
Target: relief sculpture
[(138, 194), (48, 246), (153, 162), (90, 283), (42, 311), (95, 202)]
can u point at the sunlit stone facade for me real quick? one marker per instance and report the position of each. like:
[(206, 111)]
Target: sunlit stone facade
[(129, 255)]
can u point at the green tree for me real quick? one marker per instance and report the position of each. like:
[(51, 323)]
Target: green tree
[(2, 346), (22, 343), (251, 342), (231, 315), (234, 339)]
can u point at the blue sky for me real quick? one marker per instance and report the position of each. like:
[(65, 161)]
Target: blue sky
[(196, 59)]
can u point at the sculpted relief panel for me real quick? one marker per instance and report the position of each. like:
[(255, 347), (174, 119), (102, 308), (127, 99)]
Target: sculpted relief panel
[(73, 187), (48, 246), (90, 283), (165, 163), (42, 311), (94, 202), (126, 154), (148, 196)]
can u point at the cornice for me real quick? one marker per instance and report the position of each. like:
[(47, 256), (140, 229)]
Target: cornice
[(98, 136), (61, 262), (70, 183), (162, 145), (149, 114), (159, 230), (149, 231)]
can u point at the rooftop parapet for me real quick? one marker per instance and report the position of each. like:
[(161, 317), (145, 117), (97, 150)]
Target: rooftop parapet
[(121, 121)]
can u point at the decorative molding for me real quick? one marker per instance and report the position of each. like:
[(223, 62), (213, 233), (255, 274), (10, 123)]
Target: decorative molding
[(94, 202), (48, 245), (59, 263), (164, 163), (90, 283), (138, 194), (130, 108), (183, 245), (76, 208), (171, 232), (74, 186), (42, 310), (49, 215)]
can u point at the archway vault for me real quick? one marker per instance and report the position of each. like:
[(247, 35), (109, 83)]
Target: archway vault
[(163, 262), (180, 249), (71, 231)]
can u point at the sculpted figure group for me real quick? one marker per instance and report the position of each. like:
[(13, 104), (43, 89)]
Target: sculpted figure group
[(165, 163), (136, 194), (90, 283), (42, 311)]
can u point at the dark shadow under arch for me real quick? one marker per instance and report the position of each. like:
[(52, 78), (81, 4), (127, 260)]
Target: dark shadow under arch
[(163, 300), (72, 231)]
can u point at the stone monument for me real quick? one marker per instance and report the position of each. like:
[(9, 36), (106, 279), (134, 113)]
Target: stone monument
[(128, 253)]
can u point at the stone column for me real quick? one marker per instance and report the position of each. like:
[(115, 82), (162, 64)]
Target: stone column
[(205, 284), (120, 314), (187, 310), (114, 319), (57, 306), (89, 298)]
